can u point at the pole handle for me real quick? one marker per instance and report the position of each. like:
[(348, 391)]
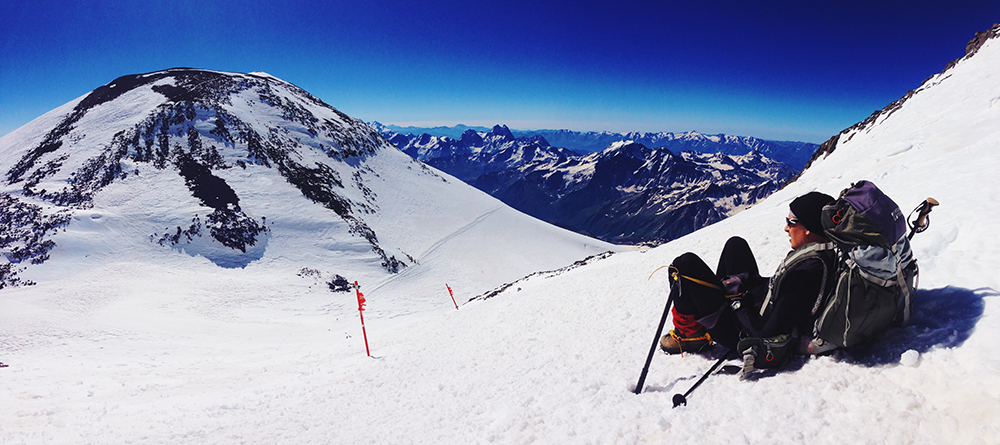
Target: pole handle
[(925, 210)]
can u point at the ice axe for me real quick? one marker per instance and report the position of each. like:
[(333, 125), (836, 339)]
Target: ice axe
[(923, 220)]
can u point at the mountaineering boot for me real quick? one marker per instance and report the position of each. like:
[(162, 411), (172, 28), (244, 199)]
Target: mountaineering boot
[(816, 346), (675, 343), (749, 359)]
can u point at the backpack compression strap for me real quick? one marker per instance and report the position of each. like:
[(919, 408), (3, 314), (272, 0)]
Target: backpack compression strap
[(675, 275), (678, 276)]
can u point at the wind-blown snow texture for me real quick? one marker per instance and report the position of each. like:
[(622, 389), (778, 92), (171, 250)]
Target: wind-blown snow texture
[(167, 351)]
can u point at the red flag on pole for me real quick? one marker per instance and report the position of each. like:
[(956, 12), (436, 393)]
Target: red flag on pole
[(452, 296), (361, 312)]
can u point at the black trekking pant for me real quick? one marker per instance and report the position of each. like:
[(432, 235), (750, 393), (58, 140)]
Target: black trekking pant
[(701, 301)]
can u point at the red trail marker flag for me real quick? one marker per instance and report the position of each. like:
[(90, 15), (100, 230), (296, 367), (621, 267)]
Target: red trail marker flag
[(452, 296), (361, 312)]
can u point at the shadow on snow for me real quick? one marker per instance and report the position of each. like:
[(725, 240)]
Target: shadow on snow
[(942, 317)]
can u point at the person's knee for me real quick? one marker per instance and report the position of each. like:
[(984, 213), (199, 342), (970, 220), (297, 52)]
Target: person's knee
[(687, 261), (737, 242)]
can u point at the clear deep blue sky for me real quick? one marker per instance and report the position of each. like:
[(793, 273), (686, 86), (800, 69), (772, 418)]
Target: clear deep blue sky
[(788, 70)]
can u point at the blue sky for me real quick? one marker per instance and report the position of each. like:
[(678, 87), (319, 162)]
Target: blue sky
[(787, 70)]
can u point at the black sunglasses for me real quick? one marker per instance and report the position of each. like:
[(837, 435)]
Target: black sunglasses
[(791, 221)]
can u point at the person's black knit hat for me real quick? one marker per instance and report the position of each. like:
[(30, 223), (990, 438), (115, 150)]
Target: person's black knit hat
[(808, 208)]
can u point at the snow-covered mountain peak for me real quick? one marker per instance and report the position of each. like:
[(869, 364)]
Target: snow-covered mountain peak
[(619, 144), (263, 75), (627, 148), (235, 168), (205, 126), (471, 138), (499, 133)]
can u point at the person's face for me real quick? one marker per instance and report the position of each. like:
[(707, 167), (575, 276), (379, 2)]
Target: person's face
[(797, 233)]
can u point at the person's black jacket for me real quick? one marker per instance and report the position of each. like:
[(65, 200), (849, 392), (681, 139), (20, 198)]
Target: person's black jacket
[(792, 305)]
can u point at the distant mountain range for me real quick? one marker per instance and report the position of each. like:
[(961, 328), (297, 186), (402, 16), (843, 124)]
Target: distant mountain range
[(454, 132), (627, 193), (795, 154)]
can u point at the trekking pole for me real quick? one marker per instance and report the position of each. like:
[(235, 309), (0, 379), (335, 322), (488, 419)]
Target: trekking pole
[(656, 339), (682, 399), (652, 349), (923, 220)]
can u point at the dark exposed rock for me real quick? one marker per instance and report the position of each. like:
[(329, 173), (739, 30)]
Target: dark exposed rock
[(24, 232), (186, 132)]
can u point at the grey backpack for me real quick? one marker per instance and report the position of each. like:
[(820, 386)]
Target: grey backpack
[(876, 271)]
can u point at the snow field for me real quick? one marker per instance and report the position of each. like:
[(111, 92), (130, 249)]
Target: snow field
[(172, 349)]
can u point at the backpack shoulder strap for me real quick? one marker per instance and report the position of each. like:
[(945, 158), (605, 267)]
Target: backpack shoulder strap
[(796, 256)]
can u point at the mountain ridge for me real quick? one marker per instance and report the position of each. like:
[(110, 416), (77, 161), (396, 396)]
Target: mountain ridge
[(971, 48), (228, 167), (793, 153), (627, 193)]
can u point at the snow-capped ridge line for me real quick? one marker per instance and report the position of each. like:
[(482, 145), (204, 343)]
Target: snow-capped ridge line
[(545, 274), (627, 193), (234, 166), (793, 153), (971, 48)]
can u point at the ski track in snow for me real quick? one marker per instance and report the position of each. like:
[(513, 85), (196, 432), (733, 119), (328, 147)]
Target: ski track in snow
[(430, 252), (458, 232)]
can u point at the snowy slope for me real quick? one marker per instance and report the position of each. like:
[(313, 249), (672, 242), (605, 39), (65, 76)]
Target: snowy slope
[(295, 183), (131, 353)]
